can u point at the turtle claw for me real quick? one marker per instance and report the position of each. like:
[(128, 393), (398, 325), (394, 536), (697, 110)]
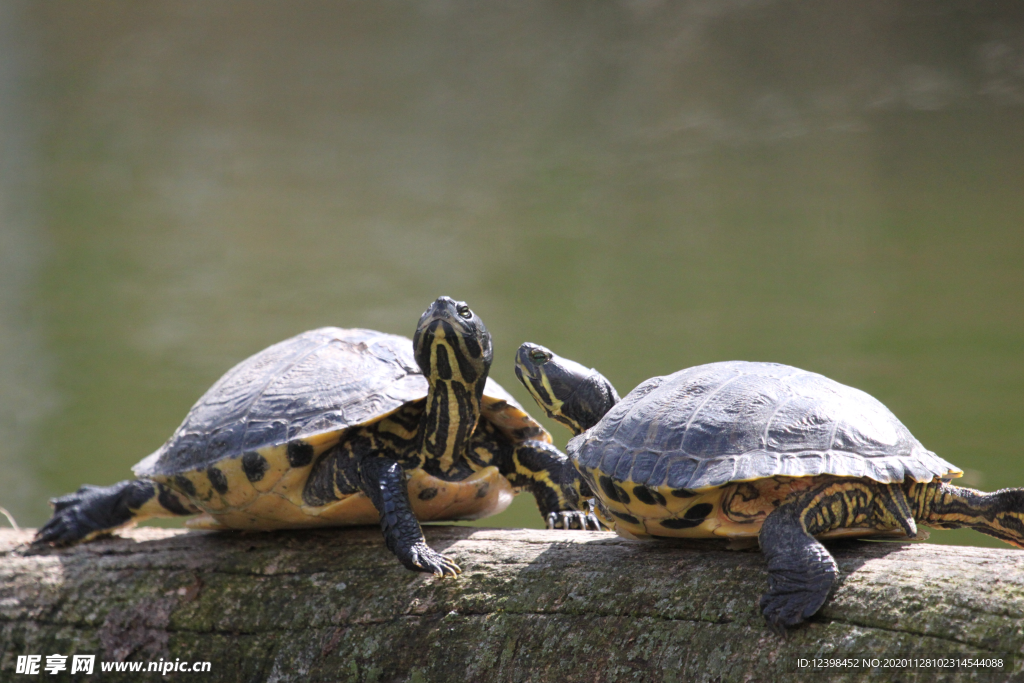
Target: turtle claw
[(59, 531), (583, 520), (69, 522), (796, 593), (423, 558), (94, 511), (573, 519), (784, 611)]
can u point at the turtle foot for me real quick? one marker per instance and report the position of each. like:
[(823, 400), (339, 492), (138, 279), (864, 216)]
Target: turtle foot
[(92, 511), (798, 590), (573, 519), (782, 611), (422, 558)]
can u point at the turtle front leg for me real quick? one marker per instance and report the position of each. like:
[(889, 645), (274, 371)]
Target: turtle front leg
[(801, 572), (96, 510), (564, 498), (383, 480), (944, 506)]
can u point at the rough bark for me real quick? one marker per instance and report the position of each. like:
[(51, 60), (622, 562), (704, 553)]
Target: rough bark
[(335, 605)]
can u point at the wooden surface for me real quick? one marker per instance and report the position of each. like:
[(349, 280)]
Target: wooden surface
[(334, 605)]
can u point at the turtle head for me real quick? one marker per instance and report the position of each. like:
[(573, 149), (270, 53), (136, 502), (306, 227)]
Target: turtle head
[(576, 396), (452, 343)]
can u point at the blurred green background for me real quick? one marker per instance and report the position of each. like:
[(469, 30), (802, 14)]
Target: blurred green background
[(641, 186)]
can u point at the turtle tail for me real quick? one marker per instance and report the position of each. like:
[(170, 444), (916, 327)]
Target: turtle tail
[(944, 506)]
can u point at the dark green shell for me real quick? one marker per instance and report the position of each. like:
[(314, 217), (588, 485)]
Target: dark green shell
[(736, 421)]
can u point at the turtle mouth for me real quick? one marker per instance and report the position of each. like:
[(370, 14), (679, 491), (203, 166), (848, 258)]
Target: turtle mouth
[(525, 363), (445, 313), (442, 309)]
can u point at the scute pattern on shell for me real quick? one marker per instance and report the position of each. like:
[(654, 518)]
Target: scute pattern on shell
[(320, 381), (737, 421)]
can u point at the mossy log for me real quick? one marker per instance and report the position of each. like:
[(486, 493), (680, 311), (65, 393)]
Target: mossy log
[(335, 605)]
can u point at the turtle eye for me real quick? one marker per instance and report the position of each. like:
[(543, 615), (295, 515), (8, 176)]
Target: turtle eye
[(538, 356), (463, 311)]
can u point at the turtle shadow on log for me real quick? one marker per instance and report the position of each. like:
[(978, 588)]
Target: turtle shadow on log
[(701, 579)]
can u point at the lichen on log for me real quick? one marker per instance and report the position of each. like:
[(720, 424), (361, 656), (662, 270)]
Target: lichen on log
[(335, 605)]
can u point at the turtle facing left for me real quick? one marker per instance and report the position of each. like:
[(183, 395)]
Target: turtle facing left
[(757, 450)]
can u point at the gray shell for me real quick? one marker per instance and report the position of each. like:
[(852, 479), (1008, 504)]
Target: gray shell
[(320, 381), (736, 421)]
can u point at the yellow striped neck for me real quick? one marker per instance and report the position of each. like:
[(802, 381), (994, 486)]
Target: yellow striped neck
[(453, 401)]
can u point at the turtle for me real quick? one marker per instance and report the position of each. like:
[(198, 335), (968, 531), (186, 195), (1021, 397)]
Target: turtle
[(344, 427), (747, 450)]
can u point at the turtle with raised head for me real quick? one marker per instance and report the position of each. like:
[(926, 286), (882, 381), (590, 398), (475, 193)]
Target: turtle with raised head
[(342, 427), (758, 450)]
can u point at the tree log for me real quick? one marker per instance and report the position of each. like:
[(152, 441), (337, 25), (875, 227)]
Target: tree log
[(335, 605)]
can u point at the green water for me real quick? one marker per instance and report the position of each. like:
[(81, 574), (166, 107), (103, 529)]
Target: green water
[(640, 186)]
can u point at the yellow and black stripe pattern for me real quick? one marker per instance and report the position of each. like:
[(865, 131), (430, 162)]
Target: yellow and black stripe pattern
[(567, 391), (856, 503), (944, 506), (456, 362)]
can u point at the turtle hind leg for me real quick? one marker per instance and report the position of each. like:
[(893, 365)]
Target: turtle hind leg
[(801, 572), (383, 481), (944, 506), (96, 510)]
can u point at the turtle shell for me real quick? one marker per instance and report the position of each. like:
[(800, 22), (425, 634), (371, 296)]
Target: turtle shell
[(713, 424), (308, 390)]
